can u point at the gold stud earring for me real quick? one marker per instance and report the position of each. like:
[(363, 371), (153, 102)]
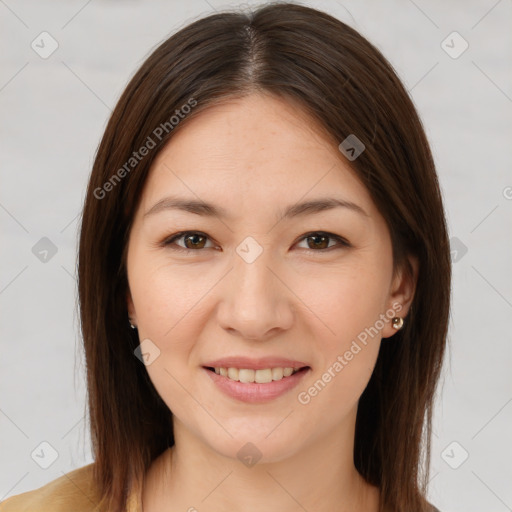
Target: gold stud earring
[(397, 322)]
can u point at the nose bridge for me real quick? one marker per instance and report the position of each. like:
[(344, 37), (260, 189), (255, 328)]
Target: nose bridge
[(251, 272), (254, 301)]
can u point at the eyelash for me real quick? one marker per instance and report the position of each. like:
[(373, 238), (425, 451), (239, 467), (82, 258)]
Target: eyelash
[(342, 243)]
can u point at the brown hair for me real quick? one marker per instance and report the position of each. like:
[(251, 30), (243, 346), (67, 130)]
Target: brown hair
[(344, 83)]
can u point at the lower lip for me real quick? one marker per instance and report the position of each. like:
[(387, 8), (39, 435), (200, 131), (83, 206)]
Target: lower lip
[(253, 392)]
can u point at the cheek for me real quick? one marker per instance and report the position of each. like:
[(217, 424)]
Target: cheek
[(348, 305), (345, 301), (165, 298), (167, 304)]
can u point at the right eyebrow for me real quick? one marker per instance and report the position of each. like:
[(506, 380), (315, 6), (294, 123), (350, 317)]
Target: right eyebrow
[(188, 205)]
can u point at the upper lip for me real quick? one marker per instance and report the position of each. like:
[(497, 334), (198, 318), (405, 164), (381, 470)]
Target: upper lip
[(254, 363)]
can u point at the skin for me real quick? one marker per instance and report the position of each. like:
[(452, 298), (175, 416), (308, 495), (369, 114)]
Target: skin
[(255, 156)]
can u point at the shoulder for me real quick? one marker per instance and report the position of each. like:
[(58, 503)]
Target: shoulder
[(72, 491)]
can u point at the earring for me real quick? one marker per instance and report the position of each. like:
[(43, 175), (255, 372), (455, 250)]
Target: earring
[(397, 322), (131, 325)]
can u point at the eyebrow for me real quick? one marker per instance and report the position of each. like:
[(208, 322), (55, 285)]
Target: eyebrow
[(295, 210)]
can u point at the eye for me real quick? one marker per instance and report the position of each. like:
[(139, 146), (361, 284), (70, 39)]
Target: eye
[(318, 241), (192, 240)]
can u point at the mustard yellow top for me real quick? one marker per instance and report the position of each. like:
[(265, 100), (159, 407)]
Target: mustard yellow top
[(72, 492)]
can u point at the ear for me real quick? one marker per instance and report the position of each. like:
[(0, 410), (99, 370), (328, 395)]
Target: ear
[(130, 307), (401, 293)]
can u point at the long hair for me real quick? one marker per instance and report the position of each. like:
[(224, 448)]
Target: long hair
[(343, 82)]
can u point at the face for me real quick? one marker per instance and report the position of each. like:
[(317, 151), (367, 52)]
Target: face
[(311, 287)]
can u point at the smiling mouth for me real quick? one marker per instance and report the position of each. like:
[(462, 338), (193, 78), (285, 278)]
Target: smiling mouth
[(263, 376)]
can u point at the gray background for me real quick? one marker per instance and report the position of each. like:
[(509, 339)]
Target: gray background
[(54, 111)]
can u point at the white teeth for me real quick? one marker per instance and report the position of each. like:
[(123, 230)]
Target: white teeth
[(259, 376), (233, 373), (263, 376), (277, 373), (245, 375)]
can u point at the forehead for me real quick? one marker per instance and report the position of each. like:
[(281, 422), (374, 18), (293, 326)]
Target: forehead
[(261, 148), (250, 129)]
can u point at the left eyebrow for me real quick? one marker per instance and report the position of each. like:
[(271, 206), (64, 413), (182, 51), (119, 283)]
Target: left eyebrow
[(320, 205)]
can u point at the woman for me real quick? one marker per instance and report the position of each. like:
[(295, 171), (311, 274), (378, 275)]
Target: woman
[(264, 279)]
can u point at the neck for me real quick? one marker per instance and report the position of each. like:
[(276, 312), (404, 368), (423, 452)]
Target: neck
[(191, 476)]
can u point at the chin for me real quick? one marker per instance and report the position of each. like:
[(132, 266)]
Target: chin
[(253, 449)]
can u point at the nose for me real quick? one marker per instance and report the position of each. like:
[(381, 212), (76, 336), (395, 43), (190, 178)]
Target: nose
[(256, 304)]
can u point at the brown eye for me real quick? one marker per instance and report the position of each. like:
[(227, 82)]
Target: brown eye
[(192, 240), (320, 241)]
